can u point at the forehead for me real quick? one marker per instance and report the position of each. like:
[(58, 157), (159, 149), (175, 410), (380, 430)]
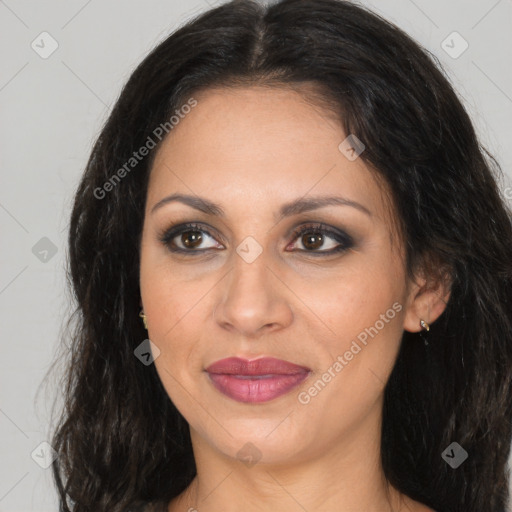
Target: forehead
[(260, 146)]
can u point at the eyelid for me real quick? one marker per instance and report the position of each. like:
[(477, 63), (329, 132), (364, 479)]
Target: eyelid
[(340, 236), (167, 234)]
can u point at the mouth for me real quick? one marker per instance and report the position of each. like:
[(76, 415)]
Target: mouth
[(256, 381)]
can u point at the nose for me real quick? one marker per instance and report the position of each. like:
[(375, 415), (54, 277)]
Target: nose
[(254, 300)]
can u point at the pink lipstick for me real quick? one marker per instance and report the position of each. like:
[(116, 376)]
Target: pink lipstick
[(259, 380)]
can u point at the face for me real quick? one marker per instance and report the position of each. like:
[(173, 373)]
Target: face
[(248, 265)]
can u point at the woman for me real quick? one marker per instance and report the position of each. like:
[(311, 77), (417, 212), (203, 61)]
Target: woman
[(294, 201)]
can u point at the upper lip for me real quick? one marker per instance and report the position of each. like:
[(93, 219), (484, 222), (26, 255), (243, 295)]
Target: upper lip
[(261, 366)]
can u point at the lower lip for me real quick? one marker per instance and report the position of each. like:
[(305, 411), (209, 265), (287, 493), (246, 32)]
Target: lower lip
[(252, 389)]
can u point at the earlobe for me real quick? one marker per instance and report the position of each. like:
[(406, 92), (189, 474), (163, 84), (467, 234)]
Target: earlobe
[(425, 305)]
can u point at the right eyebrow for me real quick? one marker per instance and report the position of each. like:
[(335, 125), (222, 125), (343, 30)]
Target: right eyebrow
[(292, 208)]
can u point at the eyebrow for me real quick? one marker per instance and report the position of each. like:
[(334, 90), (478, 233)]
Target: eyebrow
[(292, 208)]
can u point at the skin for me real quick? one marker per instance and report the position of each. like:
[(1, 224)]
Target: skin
[(250, 150)]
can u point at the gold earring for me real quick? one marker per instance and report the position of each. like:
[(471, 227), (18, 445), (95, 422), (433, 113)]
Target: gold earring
[(424, 325), (143, 316)]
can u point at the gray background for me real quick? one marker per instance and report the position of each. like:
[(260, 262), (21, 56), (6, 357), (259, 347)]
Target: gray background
[(52, 109)]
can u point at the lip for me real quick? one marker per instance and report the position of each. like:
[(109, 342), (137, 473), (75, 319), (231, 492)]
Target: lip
[(257, 380)]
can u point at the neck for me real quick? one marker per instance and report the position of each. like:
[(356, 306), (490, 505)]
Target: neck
[(344, 476)]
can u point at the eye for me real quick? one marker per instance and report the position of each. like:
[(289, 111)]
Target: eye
[(318, 236), (317, 239), (187, 238)]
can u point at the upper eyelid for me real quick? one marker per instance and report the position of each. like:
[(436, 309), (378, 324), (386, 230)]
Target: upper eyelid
[(168, 234), (190, 226), (178, 228)]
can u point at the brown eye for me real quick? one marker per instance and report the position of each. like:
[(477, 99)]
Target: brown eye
[(191, 239), (318, 240), (312, 241)]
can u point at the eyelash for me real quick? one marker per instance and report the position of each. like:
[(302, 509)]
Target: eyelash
[(342, 238)]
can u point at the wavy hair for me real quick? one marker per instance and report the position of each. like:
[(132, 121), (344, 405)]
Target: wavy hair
[(121, 443)]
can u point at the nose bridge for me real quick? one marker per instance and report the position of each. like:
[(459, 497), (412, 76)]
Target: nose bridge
[(249, 287), (251, 299), (249, 261)]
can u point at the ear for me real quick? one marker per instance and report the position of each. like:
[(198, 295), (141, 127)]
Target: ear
[(426, 300)]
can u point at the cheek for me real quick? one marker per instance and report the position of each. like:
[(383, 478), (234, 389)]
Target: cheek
[(176, 313), (166, 296), (356, 361), (354, 300), (361, 318), (176, 319), (177, 310)]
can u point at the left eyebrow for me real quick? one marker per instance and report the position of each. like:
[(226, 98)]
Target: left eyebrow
[(292, 208), (313, 203)]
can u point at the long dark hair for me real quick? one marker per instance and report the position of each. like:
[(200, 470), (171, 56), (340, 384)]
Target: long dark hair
[(120, 441)]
